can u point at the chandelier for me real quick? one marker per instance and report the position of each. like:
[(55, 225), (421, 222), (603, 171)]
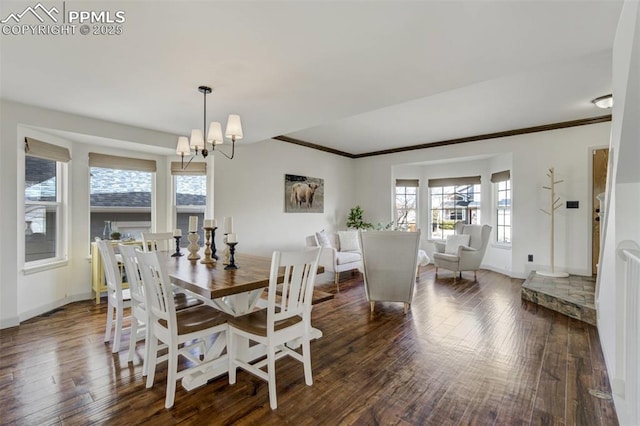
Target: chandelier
[(214, 136)]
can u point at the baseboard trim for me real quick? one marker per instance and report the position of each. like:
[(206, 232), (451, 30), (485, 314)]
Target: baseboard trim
[(32, 313), (9, 322), (509, 274)]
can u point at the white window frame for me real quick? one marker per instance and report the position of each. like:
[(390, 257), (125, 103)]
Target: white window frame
[(498, 209), (415, 208), (61, 253), (124, 209), (186, 208), (431, 207)]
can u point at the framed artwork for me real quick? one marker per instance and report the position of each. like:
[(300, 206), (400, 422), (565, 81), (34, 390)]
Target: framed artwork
[(303, 194)]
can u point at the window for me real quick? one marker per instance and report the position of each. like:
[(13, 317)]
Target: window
[(502, 184), (406, 203), (43, 202), (189, 196), (121, 190), (453, 200)]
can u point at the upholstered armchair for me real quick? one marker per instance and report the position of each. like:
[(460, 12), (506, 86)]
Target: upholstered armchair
[(390, 259), (340, 252), (463, 251)]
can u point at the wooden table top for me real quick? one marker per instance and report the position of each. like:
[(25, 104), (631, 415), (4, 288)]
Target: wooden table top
[(213, 281)]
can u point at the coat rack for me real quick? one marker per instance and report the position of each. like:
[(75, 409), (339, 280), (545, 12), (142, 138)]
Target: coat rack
[(555, 205)]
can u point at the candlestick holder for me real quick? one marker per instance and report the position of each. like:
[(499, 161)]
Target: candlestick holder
[(232, 259), (178, 253), (225, 252), (207, 251), (213, 243), (193, 246)]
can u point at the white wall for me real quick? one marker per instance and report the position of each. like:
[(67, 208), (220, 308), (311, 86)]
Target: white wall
[(622, 208), (568, 150), (251, 189), (23, 296)]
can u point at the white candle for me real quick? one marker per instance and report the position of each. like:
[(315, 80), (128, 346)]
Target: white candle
[(193, 223), (208, 223), (228, 225), (214, 223), (177, 232), (232, 238)]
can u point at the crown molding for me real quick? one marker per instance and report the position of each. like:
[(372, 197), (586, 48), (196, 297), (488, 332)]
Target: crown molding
[(467, 139), (313, 146)]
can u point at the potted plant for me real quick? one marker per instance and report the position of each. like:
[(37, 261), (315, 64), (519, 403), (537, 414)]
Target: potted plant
[(115, 235), (355, 220)]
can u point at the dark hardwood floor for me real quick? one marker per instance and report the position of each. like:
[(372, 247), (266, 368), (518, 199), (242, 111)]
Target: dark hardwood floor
[(466, 353)]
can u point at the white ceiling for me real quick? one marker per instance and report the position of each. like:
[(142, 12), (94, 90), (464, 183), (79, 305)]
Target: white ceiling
[(353, 76)]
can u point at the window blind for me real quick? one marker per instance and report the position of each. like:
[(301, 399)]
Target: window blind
[(501, 176), (198, 168), (47, 151), (411, 183), (467, 180), (121, 163)]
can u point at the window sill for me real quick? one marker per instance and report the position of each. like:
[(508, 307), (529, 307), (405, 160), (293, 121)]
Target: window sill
[(501, 246), (33, 269)]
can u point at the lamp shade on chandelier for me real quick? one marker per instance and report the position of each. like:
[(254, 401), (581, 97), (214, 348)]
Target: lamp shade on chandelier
[(197, 142)]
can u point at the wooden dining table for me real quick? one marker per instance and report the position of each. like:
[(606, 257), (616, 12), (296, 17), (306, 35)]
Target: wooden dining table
[(233, 291)]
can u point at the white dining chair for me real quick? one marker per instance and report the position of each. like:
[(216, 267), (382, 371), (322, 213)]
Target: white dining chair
[(158, 241), (182, 331), (117, 297), (286, 320), (139, 313)]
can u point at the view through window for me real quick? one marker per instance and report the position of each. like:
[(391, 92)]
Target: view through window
[(451, 204), (42, 210), (190, 200), (120, 202), (503, 224), (406, 203)]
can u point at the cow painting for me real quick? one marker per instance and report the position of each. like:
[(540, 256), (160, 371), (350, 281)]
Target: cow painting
[(303, 194)]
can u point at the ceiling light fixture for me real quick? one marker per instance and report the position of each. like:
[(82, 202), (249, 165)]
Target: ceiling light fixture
[(604, 102), (214, 136)]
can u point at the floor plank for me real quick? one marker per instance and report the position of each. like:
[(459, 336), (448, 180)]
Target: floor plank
[(466, 353)]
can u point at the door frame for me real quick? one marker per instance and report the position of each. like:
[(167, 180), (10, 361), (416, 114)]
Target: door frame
[(591, 204)]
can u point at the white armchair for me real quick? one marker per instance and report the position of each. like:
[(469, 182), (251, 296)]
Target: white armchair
[(390, 259), (340, 252), (459, 255)]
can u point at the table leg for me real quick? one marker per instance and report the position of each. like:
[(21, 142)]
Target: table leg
[(217, 368)]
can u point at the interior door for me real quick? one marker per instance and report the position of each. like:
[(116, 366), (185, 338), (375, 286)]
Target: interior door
[(599, 180)]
